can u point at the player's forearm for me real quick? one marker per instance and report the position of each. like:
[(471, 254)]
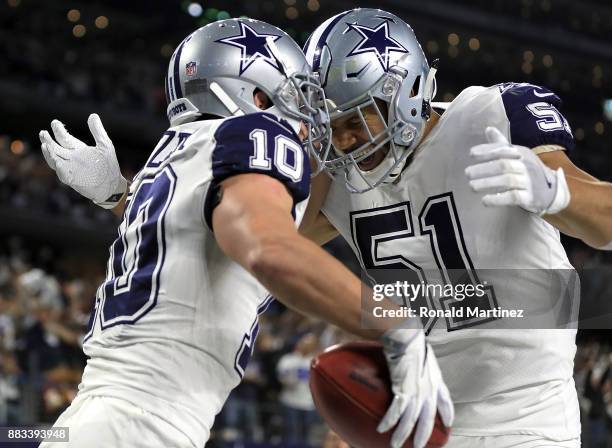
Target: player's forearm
[(319, 230), (319, 186), (315, 226), (589, 213), (260, 236), (305, 278)]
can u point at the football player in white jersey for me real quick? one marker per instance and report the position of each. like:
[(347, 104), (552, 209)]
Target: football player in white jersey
[(208, 231), (407, 193)]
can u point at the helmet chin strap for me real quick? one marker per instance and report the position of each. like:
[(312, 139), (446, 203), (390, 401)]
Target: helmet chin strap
[(429, 90), (225, 99), (235, 110)]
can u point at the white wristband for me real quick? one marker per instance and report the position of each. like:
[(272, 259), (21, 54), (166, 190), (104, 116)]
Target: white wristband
[(562, 195), (116, 197), (397, 339)]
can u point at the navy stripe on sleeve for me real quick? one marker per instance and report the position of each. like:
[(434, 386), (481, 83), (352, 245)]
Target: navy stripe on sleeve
[(259, 143), (534, 116)]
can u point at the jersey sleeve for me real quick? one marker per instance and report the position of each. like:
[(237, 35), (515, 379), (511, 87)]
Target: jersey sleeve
[(534, 116), (258, 143)]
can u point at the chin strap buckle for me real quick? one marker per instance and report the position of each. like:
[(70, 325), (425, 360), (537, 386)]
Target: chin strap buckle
[(428, 91)]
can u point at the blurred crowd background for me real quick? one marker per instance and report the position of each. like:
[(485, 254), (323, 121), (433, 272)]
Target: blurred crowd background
[(66, 59)]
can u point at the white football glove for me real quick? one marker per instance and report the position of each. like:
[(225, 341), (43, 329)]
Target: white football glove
[(93, 171), (418, 388), (514, 175)]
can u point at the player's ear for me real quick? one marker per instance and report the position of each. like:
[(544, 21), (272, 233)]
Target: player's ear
[(261, 100)]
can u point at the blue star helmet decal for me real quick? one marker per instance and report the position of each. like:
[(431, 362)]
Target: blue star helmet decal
[(253, 46), (376, 40)]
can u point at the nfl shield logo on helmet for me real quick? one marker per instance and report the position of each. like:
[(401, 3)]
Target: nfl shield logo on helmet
[(191, 68)]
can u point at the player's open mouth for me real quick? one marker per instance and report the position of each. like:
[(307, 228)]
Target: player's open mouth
[(368, 163)]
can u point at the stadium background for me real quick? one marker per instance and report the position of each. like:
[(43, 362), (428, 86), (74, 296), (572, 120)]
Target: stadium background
[(66, 59)]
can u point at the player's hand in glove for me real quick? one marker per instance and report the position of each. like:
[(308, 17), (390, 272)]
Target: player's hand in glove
[(418, 388), (93, 171), (513, 175)]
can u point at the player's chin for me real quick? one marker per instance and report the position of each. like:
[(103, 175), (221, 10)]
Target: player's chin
[(303, 134)]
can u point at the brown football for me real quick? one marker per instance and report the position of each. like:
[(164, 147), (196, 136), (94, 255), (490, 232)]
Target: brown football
[(352, 391)]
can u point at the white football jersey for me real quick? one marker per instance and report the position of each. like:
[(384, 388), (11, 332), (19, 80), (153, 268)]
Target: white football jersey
[(175, 318), (502, 381)]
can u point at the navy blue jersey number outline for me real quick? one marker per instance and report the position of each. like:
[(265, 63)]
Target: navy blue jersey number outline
[(438, 220), (137, 256), (247, 345)]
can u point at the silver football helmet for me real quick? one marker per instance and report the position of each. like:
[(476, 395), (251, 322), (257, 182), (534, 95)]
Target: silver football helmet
[(363, 55), (217, 69)]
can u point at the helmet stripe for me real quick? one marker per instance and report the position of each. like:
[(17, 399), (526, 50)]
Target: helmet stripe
[(178, 93), (166, 85), (313, 52)]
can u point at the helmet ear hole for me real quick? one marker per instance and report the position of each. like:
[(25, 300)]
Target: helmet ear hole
[(261, 100), (414, 91)]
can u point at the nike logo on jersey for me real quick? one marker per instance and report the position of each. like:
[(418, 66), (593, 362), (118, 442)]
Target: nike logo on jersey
[(542, 95)]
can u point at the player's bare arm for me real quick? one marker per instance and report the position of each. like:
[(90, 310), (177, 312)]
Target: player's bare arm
[(588, 215), (320, 231), (315, 226), (260, 235)]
